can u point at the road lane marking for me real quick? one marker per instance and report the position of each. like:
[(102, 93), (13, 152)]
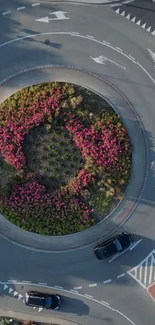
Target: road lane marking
[(117, 255), (78, 288), (58, 287), (21, 8), (107, 281), (88, 296), (27, 282), (103, 303), (43, 283), (6, 13), (144, 272), (92, 285), (125, 317), (90, 36), (120, 275), (35, 4), (135, 244), (152, 164), (118, 48), (74, 291), (131, 57)]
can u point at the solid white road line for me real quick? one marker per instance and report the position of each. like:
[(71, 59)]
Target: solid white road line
[(58, 287), (73, 291), (125, 317), (27, 282), (88, 296), (118, 48), (104, 302), (135, 244), (43, 283)]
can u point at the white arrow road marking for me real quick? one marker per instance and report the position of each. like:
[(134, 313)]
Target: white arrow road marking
[(40, 309), (5, 287), (99, 59), (135, 244), (15, 293), (152, 55), (10, 290), (59, 16), (102, 59)]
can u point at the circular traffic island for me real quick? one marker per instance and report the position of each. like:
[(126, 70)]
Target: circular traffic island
[(65, 158)]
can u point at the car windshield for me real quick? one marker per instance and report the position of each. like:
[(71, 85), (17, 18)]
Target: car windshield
[(118, 245), (48, 302)]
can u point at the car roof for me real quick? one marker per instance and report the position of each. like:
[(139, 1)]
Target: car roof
[(35, 300), (123, 237)]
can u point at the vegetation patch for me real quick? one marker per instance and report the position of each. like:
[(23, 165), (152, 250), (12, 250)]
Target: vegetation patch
[(65, 158)]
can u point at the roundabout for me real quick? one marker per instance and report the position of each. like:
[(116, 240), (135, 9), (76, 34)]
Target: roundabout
[(99, 46)]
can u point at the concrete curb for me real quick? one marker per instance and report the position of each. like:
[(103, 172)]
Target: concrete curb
[(92, 3), (134, 190)]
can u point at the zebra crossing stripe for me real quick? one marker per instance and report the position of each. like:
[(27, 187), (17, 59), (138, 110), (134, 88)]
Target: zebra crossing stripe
[(144, 272)]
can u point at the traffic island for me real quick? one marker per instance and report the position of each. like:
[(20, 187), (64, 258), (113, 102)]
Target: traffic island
[(84, 126)]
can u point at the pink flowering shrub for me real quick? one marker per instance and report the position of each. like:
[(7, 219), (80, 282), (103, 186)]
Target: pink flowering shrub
[(30, 202), (101, 142), (19, 123), (82, 181)]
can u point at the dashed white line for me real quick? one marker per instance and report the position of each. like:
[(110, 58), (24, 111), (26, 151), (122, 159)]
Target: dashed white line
[(21, 8), (35, 4), (73, 291), (106, 42), (131, 57), (43, 283), (90, 36), (152, 164), (75, 33), (88, 296), (118, 48), (12, 281), (78, 288), (104, 302), (26, 281), (6, 13), (58, 287), (107, 281), (92, 285), (120, 275)]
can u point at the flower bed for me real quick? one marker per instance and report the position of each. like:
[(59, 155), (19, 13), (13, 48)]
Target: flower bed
[(65, 158)]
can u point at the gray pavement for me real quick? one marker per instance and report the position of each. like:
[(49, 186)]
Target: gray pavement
[(124, 44)]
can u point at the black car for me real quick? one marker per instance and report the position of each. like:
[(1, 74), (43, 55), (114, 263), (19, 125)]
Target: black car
[(42, 300), (113, 246)]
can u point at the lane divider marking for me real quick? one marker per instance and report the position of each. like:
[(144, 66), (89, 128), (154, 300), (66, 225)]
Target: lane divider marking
[(107, 281), (6, 13), (21, 8), (92, 285)]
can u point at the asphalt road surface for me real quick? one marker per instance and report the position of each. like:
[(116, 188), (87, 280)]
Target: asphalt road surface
[(94, 292)]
